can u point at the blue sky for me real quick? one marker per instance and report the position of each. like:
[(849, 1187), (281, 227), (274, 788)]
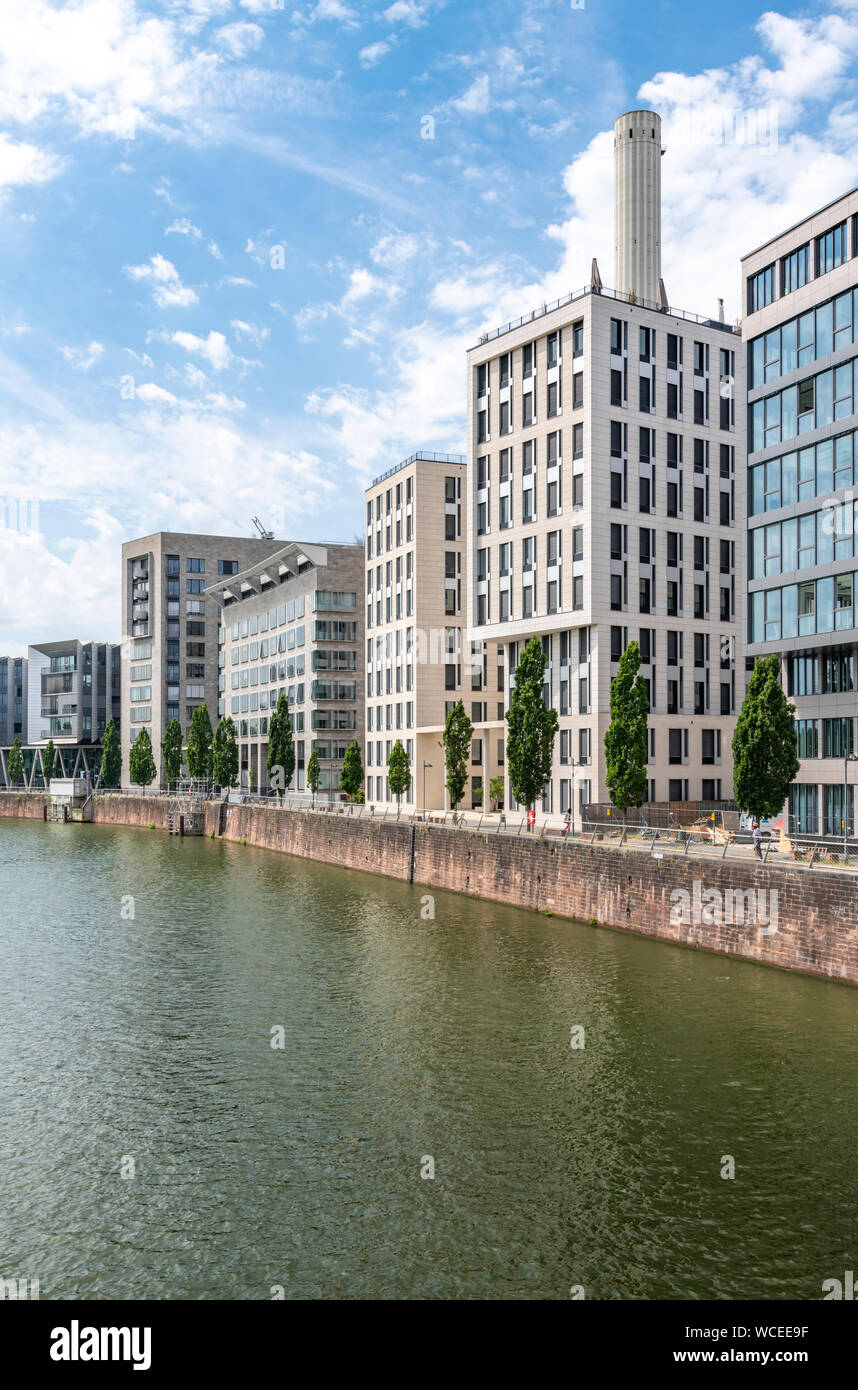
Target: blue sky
[(245, 247)]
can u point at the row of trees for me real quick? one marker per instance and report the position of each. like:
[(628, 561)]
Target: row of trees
[(209, 756), (764, 753), (765, 762)]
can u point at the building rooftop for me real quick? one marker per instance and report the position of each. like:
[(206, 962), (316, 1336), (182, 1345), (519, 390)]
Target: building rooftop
[(605, 294), (424, 455), (800, 223)]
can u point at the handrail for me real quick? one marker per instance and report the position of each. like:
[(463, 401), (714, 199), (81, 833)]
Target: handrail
[(620, 295)]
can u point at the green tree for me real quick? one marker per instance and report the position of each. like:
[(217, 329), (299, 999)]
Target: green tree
[(625, 740), (496, 792), (225, 753), (314, 775), (141, 763), (49, 754), (764, 755), (456, 743), (16, 763), (532, 728), (171, 752), (199, 753), (398, 771), (281, 750), (111, 756), (351, 776)]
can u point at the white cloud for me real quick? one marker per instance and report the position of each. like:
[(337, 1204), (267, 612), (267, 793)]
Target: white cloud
[(334, 10), (374, 52), (21, 163), (248, 330), (184, 227), (194, 377), (83, 358), (167, 288), (240, 38), (395, 249), (215, 251), (476, 100), (13, 329), (238, 280), (213, 348), (143, 358), (406, 12)]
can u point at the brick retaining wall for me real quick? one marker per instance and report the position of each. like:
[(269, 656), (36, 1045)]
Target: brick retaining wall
[(817, 909)]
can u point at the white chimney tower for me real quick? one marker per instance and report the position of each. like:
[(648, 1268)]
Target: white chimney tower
[(637, 205)]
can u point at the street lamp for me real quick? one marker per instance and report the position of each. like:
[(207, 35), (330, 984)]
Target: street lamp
[(425, 765), (847, 759)]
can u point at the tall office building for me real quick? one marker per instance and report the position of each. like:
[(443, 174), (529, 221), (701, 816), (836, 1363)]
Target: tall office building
[(801, 331), (13, 699), (292, 624), (419, 660), (169, 628), (605, 487), (73, 689)]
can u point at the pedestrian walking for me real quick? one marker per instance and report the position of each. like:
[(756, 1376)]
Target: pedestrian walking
[(758, 840)]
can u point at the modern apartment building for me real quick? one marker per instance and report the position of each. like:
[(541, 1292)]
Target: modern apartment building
[(419, 660), (13, 699), (170, 616), (73, 689), (801, 332), (292, 624), (606, 504)]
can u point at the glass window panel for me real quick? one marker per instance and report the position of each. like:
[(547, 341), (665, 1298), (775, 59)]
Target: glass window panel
[(806, 474), (824, 329), (757, 361), (789, 484), (789, 611), (825, 605), (789, 428), (789, 358), (789, 546), (843, 460), (824, 536), (824, 465), (805, 339)]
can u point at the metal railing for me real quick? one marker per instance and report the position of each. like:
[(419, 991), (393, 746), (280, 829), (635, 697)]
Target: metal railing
[(618, 295), (428, 455)]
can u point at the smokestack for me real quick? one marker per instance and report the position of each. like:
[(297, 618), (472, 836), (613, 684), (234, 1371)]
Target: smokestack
[(637, 204)]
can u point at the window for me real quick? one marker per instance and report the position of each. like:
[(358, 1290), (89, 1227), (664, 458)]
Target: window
[(795, 269), (227, 567), (616, 335), (761, 289), (194, 566), (831, 249)]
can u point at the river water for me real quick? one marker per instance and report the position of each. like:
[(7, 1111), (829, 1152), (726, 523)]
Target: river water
[(154, 1144)]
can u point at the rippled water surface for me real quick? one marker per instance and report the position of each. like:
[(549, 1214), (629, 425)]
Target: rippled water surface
[(149, 1038)]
